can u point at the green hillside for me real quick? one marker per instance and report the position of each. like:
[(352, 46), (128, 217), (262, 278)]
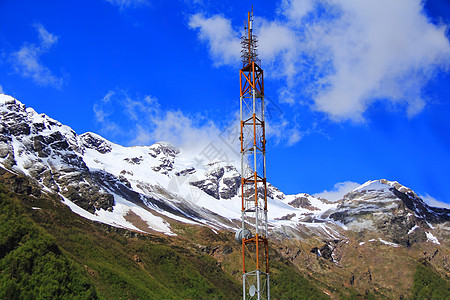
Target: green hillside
[(48, 252)]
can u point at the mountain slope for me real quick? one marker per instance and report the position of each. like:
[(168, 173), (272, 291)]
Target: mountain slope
[(161, 201), (393, 210), (149, 188), (89, 260), (31, 263), (140, 188)]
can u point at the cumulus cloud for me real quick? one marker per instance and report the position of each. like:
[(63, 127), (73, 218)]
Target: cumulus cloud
[(342, 55), (338, 191), (377, 50), (117, 112), (27, 59), (223, 41), (431, 201), (296, 10)]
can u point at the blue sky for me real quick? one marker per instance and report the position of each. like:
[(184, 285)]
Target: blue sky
[(356, 90)]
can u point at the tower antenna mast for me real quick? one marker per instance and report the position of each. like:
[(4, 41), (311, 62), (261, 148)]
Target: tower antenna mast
[(253, 233)]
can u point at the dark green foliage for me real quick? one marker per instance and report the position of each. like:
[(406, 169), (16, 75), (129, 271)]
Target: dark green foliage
[(288, 283), (354, 295), (428, 284), (47, 253), (52, 253), (31, 264)]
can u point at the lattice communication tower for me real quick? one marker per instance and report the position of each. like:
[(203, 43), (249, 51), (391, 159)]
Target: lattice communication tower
[(253, 233)]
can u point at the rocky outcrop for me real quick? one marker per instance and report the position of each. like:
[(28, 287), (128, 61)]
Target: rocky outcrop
[(50, 153), (222, 182), (94, 173), (274, 193), (390, 209), (93, 141), (185, 172), (209, 186), (302, 202), (19, 184), (229, 187), (166, 154)]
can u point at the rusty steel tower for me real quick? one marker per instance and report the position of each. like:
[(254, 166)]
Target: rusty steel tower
[(253, 233)]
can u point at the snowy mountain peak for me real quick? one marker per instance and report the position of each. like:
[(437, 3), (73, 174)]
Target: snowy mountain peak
[(8, 100), (384, 185), (146, 188), (384, 189), (372, 185), (399, 187), (390, 208)]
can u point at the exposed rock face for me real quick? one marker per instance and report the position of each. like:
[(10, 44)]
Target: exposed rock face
[(273, 192), (49, 152), (19, 184), (166, 154), (134, 160), (185, 172), (302, 202), (209, 186), (391, 209), (287, 217), (163, 148), (93, 141), (97, 175), (222, 182), (229, 187)]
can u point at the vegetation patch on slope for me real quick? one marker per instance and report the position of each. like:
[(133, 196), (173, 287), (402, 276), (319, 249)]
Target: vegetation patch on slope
[(48, 252), (32, 265), (428, 284)]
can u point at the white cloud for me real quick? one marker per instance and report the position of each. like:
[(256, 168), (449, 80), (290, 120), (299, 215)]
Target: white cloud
[(278, 47), (1, 89), (342, 55), (47, 39), (294, 137), (224, 48), (431, 201), (377, 50), (338, 191), (223, 41), (142, 136), (295, 10), (101, 110), (282, 132), (142, 121), (27, 59), (128, 3)]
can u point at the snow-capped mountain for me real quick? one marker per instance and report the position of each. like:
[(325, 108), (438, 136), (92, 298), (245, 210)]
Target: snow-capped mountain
[(390, 208), (151, 188)]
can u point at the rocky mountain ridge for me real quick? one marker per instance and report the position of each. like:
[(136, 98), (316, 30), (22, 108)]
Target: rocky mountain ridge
[(151, 188), (391, 209)]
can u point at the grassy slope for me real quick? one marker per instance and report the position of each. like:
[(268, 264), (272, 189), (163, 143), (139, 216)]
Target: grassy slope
[(31, 263), (144, 267), (52, 253), (428, 284)]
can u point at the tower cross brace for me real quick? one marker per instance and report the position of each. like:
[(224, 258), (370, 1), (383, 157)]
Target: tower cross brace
[(253, 233)]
